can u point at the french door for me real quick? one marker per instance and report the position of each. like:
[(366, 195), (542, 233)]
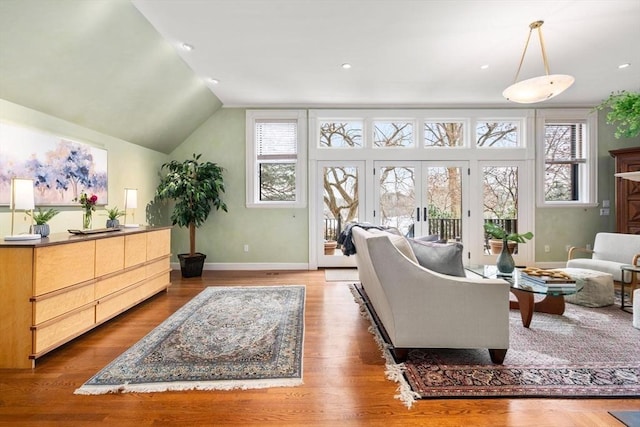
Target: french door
[(340, 197), (423, 198), (502, 194), (449, 199)]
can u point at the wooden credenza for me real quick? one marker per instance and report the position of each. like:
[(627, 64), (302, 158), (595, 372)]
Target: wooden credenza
[(57, 288), (627, 191)]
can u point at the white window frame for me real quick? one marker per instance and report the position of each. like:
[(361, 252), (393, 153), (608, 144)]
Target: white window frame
[(253, 176), (589, 194)]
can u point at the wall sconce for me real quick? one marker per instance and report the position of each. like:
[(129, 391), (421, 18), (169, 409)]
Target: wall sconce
[(22, 198), (539, 88), (130, 202)]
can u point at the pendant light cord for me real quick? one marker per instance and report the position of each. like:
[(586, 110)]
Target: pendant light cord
[(532, 26)]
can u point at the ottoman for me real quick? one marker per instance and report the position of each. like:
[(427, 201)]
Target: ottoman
[(636, 308), (597, 290)]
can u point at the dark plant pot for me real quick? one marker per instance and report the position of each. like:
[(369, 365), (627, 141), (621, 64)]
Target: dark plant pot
[(191, 266), (113, 223), (41, 229)]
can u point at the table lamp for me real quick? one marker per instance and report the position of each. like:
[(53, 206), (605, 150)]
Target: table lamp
[(130, 202), (22, 198)]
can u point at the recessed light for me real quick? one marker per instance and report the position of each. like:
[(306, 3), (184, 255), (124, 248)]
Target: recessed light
[(346, 65), (621, 66), (484, 67), (187, 47), (214, 81)]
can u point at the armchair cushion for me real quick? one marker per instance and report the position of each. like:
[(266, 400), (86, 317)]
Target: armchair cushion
[(445, 258)]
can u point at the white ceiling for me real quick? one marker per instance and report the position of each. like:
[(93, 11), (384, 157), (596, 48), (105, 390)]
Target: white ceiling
[(403, 52)]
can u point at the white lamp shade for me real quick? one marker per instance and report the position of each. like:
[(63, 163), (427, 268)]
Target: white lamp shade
[(22, 196), (632, 176), (130, 198), (538, 89)]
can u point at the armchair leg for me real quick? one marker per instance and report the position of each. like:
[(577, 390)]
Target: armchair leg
[(497, 355)]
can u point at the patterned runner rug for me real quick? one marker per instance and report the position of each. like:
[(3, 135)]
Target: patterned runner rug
[(224, 338), (586, 352)]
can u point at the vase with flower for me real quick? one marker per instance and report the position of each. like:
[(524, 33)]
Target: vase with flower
[(89, 205)]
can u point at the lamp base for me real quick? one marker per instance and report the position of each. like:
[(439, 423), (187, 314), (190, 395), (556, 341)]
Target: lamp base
[(22, 237)]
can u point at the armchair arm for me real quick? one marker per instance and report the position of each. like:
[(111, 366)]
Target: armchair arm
[(636, 259), (574, 249)]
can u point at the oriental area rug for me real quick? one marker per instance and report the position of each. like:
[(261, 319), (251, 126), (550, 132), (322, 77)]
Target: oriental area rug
[(239, 337), (586, 352)]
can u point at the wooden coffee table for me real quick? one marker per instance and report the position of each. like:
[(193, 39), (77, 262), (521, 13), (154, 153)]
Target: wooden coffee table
[(524, 290)]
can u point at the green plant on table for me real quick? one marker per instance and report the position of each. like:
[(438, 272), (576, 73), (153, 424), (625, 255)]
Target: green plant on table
[(498, 232), (114, 213), (42, 217)]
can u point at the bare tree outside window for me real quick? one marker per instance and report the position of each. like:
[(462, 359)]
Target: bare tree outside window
[(564, 159), (393, 134), (277, 182), (497, 134), (347, 134), (443, 134)]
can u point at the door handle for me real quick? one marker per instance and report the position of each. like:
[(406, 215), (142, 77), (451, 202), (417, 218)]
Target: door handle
[(424, 214), (417, 214)]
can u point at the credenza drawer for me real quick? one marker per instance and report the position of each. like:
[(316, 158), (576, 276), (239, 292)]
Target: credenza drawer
[(135, 249), (118, 282), (49, 308), (109, 255), (59, 266), (158, 244), (111, 306), (60, 331), (158, 266)]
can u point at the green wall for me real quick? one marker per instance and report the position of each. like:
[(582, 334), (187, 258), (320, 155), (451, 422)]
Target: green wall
[(274, 236), (575, 226), (129, 166)]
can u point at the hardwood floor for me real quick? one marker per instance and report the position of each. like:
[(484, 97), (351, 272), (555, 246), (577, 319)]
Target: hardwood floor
[(344, 382)]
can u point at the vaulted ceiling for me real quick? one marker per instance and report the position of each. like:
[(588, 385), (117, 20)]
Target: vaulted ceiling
[(117, 66)]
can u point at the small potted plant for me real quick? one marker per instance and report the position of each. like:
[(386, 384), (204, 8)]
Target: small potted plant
[(113, 215), (505, 262), (500, 235), (41, 218)]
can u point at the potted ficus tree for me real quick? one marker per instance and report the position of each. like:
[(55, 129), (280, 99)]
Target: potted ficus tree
[(195, 187), (41, 218)]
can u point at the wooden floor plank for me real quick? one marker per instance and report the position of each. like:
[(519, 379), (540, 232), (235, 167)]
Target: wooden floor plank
[(344, 382)]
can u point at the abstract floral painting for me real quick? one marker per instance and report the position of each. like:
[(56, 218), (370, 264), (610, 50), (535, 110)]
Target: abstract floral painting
[(61, 168)]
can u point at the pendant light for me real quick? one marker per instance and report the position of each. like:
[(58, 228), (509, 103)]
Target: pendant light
[(540, 88)]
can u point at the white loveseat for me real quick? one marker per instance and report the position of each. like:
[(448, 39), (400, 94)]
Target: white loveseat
[(610, 252), (420, 308)]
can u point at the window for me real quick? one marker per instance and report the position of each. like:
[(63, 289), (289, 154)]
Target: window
[(341, 134), (566, 154), (393, 134), (443, 134), (497, 134), (276, 158)]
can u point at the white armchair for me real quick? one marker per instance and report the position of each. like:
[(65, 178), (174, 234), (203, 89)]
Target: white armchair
[(610, 252), (420, 308)]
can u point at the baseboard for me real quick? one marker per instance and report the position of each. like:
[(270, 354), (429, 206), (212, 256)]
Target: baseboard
[(248, 266)]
